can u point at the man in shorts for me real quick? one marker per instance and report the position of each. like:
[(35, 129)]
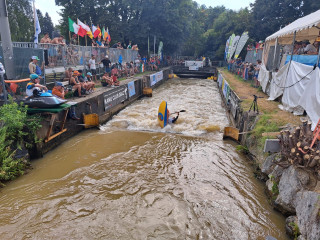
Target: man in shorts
[(93, 68)]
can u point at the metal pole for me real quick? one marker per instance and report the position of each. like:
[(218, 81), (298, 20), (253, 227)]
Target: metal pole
[(4, 90), (154, 44), (318, 57), (6, 40), (275, 52), (148, 45), (294, 39)]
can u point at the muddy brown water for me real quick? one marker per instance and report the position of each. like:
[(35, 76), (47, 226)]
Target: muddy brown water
[(133, 180)]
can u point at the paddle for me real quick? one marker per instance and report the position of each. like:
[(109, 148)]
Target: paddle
[(180, 111)]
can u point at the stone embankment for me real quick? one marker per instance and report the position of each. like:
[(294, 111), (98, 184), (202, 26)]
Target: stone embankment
[(294, 190)]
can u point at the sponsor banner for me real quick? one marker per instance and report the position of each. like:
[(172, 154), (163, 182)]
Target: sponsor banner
[(131, 89), (115, 96), (157, 77), (198, 64)]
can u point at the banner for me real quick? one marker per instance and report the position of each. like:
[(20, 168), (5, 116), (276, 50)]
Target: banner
[(230, 44), (157, 77), (233, 46), (226, 49), (242, 42), (132, 89), (115, 96)]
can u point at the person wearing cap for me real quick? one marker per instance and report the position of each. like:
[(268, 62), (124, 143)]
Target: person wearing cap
[(106, 63), (34, 84), (74, 82), (33, 64), (58, 90)]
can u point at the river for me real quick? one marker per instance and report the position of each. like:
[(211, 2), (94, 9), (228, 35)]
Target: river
[(133, 180)]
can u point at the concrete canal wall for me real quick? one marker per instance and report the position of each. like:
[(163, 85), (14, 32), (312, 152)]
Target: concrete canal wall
[(105, 102)]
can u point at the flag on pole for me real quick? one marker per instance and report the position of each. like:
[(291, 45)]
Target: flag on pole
[(84, 30), (36, 25), (73, 27), (108, 38), (96, 31), (103, 33), (100, 35)]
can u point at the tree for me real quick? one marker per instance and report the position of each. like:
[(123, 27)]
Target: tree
[(20, 16), (46, 25)]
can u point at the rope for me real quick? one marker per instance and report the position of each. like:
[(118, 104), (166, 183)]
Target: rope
[(315, 66)]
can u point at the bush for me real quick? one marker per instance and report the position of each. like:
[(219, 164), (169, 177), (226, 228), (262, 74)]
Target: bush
[(17, 129)]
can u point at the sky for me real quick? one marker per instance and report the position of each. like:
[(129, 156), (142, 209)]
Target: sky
[(50, 7)]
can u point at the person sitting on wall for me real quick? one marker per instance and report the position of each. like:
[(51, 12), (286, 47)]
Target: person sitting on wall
[(59, 91), (76, 85), (106, 80), (68, 74), (88, 86), (34, 84), (114, 75)]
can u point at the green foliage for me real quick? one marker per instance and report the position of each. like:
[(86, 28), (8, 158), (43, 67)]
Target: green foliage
[(21, 20), (264, 125), (243, 149), (45, 23), (296, 230), (17, 128)]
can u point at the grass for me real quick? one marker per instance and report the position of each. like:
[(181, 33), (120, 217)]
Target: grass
[(271, 117)]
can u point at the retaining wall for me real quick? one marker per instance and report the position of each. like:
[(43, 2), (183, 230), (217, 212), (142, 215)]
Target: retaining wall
[(105, 102)]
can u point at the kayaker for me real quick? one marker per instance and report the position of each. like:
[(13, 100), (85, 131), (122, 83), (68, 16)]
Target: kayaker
[(172, 119), (34, 84)]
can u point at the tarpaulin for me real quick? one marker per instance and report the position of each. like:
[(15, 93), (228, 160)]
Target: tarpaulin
[(278, 82), (263, 77), (310, 60), (298, 76), (310, 99)]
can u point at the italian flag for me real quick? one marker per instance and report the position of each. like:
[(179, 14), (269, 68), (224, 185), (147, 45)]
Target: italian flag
[(73, 27)]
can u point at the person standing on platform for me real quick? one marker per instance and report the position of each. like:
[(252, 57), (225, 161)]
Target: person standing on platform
[(106, 63), (93, 68)]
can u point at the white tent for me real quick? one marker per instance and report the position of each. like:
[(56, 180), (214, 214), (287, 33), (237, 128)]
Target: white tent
[(297, 82), (305, 28)]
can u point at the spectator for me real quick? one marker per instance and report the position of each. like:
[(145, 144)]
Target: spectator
[(106, 63), (129, 45), (297, 48), (73, 40), (88, 86), (99, 43), (94, 43), (33, 64), (93, 68), (58, 40), (135, 47), (256, 75), (249, 47), (316, 49), (34, 84), (106, 80), (68, 74), (45, 41), (308, 47), (119, 46), (74, 82), (58, 90), (114, 75)]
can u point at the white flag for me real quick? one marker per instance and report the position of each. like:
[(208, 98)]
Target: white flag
[(36, 25)]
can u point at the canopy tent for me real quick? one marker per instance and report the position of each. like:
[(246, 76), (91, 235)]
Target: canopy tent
[(306, 28)]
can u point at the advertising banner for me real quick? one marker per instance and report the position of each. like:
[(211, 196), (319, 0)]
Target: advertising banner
[(132, 89), (115, 96), (157, 77), (242, 42)]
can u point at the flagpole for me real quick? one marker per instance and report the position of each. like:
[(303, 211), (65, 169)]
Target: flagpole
[(78, 32), (34, 18), (86, 34), (70, 37)]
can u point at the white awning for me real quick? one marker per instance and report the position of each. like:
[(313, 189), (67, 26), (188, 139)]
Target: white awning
[(307, 28)]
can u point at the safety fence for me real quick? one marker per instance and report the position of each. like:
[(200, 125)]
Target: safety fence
[(55, 56)]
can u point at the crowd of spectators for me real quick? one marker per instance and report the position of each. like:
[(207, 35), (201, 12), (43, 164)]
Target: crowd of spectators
[(302, 48), (248, 71)]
